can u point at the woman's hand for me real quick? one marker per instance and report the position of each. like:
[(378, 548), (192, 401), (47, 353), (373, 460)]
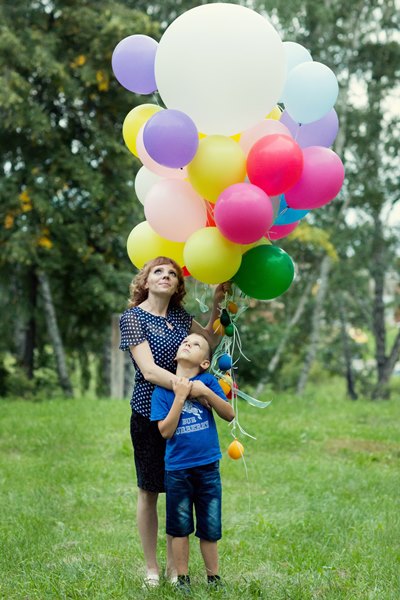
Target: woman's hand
[(220, 291), (199, 389)]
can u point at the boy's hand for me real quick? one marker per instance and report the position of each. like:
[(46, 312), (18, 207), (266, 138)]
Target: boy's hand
[(182, 388)]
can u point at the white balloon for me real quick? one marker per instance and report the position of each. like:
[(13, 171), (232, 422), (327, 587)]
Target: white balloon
[(223, 65), (144, 180)]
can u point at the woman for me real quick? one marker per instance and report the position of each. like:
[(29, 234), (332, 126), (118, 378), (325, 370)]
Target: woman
[(152, 328)]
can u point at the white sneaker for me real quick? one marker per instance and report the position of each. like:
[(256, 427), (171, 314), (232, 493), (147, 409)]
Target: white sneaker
[(171, 577), (151, 580)]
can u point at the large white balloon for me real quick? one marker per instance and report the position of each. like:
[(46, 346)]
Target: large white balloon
[(222, 64)]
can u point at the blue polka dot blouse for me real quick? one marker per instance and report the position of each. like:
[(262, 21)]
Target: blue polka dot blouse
[(164, 335)]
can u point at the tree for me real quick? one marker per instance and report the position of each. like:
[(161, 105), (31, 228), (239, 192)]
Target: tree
[(67, 199)]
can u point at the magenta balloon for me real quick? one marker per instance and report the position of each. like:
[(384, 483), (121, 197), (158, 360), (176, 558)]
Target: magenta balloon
[(243, 213), (133, 63), (171, 138), (320, 182), (318, 133), (280, 231)]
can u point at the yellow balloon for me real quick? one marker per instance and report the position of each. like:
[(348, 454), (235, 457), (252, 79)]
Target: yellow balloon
[(210, 257), (262, 242), (219, 162), (134, 121), (275, 113), (143, 244), (236, 137)]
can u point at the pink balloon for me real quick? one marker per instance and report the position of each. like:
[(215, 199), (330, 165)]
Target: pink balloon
[(275, 163), (174, 210), (320, 182), (152, 165), (267, 127), (280, 231), (243, 213)]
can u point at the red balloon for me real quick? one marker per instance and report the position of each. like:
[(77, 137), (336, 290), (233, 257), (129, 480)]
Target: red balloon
[(185, 272), (275, 163), (280, 231), (210, 214)]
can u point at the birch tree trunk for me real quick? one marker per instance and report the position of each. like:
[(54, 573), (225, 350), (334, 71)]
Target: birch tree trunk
[(54, 333), (351, 392), (315, 324), (380, 390)]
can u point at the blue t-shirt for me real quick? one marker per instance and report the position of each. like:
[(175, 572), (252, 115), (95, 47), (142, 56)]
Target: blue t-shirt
[(164, 335), (195, 441)]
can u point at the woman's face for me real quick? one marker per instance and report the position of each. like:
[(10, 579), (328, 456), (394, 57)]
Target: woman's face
[(162, 279)]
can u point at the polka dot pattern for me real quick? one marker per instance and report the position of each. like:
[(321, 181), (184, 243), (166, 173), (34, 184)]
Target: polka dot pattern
[(164, 335)]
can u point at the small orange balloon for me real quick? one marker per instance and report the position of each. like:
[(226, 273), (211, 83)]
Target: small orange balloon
[(235, 450), (225, 386), (218, 327), (232, 307)]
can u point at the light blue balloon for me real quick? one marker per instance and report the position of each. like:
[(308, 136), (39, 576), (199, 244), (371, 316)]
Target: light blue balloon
[(295, 55), (288, 215), (311, 91)]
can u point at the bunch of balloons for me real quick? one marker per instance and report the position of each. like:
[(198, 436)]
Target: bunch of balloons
[(225, 169)]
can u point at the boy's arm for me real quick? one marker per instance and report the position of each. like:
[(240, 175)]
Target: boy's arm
[(182, 388), (220, 405)]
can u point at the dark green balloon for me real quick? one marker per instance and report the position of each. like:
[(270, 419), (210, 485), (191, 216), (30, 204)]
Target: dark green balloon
[(266, 272)]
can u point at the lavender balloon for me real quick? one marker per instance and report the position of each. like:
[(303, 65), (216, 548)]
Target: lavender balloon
[(133, 63), (318, 133), (171, 138), (287, 215)]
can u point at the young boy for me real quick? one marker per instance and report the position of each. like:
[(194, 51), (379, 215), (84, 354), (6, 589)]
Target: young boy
[(192, 456)]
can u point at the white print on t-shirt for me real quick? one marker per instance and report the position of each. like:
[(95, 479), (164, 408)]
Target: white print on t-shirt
[(189, 407), (189, 424), (191, 428)]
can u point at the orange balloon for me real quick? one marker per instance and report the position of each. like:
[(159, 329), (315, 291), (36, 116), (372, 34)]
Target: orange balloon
[(218, 328), (235, 450), (232, 307), (225, 386)]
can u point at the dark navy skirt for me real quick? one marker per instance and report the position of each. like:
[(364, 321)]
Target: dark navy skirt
[(149, 451)]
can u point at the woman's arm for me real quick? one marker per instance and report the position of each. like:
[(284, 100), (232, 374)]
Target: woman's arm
[(208, 331), (151, 372)]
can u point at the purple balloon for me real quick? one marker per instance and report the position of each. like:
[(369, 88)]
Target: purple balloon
[(318, 133), (171, 138), (133, 63), (320, 181)]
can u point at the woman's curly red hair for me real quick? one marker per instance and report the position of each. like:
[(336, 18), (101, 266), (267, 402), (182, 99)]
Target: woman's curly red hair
[(137, 291)]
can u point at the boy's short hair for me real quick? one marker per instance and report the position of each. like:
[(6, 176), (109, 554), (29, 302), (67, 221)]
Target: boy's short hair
[(210, 351)]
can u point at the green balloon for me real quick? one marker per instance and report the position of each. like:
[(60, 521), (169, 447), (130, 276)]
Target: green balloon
[(266, 272)]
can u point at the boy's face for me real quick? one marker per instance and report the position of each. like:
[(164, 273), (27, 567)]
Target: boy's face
[(194, 350)]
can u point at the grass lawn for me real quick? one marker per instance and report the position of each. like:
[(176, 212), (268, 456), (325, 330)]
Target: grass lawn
[(316, 516)]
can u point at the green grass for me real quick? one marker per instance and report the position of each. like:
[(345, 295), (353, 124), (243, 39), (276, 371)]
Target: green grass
[(316, 516)]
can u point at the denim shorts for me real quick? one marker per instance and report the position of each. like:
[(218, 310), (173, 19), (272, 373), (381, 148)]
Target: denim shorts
[(198, 487)]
